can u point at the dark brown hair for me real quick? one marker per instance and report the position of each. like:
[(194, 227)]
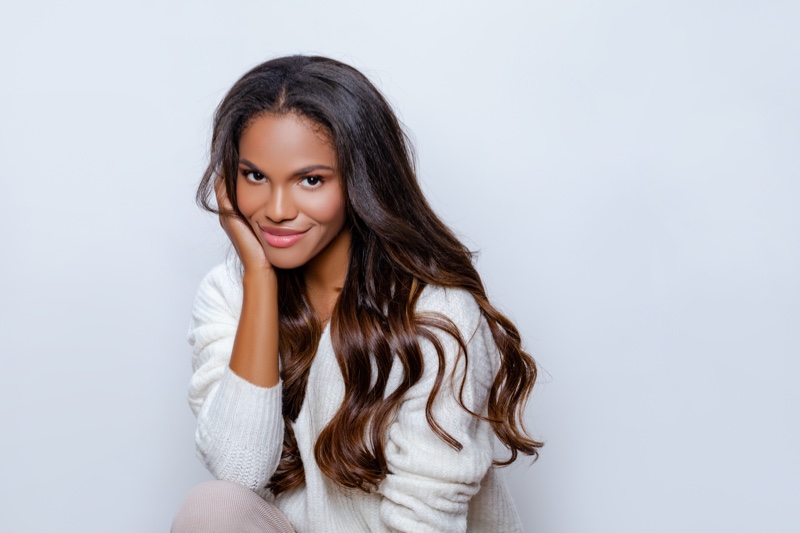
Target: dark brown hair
[(398, 247)]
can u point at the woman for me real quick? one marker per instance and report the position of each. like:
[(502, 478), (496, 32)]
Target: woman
[(349, 373)]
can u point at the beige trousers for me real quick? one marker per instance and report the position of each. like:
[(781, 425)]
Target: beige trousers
[(225, 507)]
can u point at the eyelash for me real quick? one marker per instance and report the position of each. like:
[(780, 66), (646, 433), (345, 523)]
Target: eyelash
[(319, 183), (257, 177), (247, 173)]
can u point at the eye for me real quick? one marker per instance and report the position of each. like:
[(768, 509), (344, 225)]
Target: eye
[(311, 182), (252, 175)]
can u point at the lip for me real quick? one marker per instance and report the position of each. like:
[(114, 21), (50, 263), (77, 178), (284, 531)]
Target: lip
[(281, 237)]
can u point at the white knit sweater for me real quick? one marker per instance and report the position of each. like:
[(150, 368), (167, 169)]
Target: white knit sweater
[(430, 488)]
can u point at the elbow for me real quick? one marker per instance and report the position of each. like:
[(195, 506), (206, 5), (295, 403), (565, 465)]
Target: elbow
[(252, 468)]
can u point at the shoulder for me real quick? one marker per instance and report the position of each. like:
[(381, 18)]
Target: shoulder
[(220, 291), (458, 305), (224, 277)]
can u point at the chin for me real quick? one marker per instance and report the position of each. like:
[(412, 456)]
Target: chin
[(285, 263)]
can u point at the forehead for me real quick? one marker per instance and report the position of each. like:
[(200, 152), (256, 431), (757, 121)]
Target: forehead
[(274, 138)]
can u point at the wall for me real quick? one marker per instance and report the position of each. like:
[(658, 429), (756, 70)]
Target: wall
[(628, 171)]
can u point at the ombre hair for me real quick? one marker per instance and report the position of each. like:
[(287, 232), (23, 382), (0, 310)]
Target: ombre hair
[(398, 247)]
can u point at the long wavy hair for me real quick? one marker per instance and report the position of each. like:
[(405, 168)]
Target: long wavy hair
[(398, 246)]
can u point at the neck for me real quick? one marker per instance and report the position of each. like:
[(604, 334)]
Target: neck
[(325, 274)]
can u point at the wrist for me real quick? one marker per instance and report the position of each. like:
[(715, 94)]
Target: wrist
[(259, 278)]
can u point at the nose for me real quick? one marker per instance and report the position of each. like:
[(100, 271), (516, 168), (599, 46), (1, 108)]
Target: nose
[(280, 205)]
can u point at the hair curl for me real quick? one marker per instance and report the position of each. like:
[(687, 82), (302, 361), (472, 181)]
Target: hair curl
[(398, 246)]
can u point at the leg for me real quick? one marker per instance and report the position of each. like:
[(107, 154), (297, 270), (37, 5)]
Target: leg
[(225, 507)]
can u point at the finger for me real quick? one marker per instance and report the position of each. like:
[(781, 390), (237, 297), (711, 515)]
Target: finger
[(223, 202)]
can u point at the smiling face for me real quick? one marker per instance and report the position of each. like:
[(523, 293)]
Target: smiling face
[(290, 191)]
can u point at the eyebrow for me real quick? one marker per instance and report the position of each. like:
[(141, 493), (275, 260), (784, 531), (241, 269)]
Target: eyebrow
[(299, 172)]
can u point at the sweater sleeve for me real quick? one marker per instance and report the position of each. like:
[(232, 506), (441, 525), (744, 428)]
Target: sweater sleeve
[(430, 483), (239, 425)]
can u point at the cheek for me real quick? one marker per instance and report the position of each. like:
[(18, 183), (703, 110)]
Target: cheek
[(247, 199), (327, 209)]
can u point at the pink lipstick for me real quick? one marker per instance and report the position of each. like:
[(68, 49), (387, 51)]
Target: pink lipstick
[(281, 237)]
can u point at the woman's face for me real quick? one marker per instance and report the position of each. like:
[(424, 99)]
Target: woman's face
[(289, 189)]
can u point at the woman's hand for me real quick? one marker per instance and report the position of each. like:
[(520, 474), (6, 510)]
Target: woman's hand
[(241, 234)]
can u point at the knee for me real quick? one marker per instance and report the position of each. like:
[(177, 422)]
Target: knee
[(212, 507)]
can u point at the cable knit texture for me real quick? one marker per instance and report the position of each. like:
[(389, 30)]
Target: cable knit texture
[(431, 487)]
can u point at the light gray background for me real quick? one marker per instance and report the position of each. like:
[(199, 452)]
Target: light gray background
[(627, 169)]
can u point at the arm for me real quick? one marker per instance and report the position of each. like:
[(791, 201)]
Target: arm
[(255, 350), (235, 391), (430, 484), (239, 424)]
